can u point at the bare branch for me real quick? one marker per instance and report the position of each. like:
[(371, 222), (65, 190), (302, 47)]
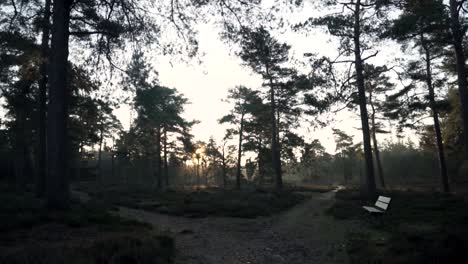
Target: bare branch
[(370, 56)]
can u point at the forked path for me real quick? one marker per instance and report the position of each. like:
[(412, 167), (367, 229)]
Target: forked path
[(304, 234)]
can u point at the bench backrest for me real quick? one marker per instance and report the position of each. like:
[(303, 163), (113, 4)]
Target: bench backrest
[(383, 202)]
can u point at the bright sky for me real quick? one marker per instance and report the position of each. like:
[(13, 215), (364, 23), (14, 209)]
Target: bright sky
[(207, 84)]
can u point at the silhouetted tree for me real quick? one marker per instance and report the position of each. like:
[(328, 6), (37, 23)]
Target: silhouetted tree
[(425, 26), (357, 28), (457, 26), (266, 56), (242, 98)]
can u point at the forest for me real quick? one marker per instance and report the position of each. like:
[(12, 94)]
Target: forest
[(104, 159)]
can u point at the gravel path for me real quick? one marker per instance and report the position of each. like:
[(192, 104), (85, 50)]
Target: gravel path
[(304, 234)]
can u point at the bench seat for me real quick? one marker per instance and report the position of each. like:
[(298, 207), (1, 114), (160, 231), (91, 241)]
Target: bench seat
[(373, 209), (380, 207)]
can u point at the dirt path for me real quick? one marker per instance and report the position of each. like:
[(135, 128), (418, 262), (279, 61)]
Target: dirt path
[(302, 235)]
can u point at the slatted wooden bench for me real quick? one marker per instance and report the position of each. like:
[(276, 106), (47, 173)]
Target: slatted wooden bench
[(380, 206)]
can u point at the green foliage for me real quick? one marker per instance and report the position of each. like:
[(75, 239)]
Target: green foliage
[(159, 111), (403, 164), (261, 52), (244, 100), (89, 116), (421, 26), (406, 164), (451, 128)]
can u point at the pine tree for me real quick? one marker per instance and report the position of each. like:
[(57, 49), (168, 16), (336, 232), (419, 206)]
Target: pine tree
[(242, 98), (357, 28), (266, 56), (424, 25), (378, 85), (457, 29)]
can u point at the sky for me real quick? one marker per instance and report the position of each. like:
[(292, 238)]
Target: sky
[(206, 84)]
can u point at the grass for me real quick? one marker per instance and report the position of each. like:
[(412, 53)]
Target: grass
[(86, 233), (419, 227), (207, 202)]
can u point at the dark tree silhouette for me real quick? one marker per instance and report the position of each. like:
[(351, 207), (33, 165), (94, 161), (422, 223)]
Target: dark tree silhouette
[(243, 99), (425, 25), (266, 56)]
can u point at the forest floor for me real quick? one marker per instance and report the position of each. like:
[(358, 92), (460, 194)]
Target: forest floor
[(88, 232), (303, 234), (419, 227)]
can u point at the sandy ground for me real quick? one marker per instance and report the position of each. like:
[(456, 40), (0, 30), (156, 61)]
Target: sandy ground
[(304, 234)]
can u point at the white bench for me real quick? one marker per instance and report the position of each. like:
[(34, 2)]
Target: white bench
[(380, 206)]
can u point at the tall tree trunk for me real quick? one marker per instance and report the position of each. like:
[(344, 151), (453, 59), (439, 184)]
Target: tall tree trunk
[(223, 157), (57, 147), (239, 153), (113, 165), (205, 171), (345, 177), (41, 128), (158, 169), (166, 168), (80, 161), (198, 172), (374, 141), (20, 144), (260, 162), (370, 178), (458, 35), (432, 103), (276, 158), (113, 159), (278, 128), (99, 166)]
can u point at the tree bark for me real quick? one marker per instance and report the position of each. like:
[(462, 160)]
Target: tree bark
[(432, 104), (80, 160), (113, 165), (166, 169), (374, 141), (41, 128), (113, 159), (276, 158), (458, 35), (370, 178), (239, 153), (224, 166), (260, 162), (20, 148), (99, 167), (345, 171), (57, 148), (205, 171), (158, 169), (278, 127)]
